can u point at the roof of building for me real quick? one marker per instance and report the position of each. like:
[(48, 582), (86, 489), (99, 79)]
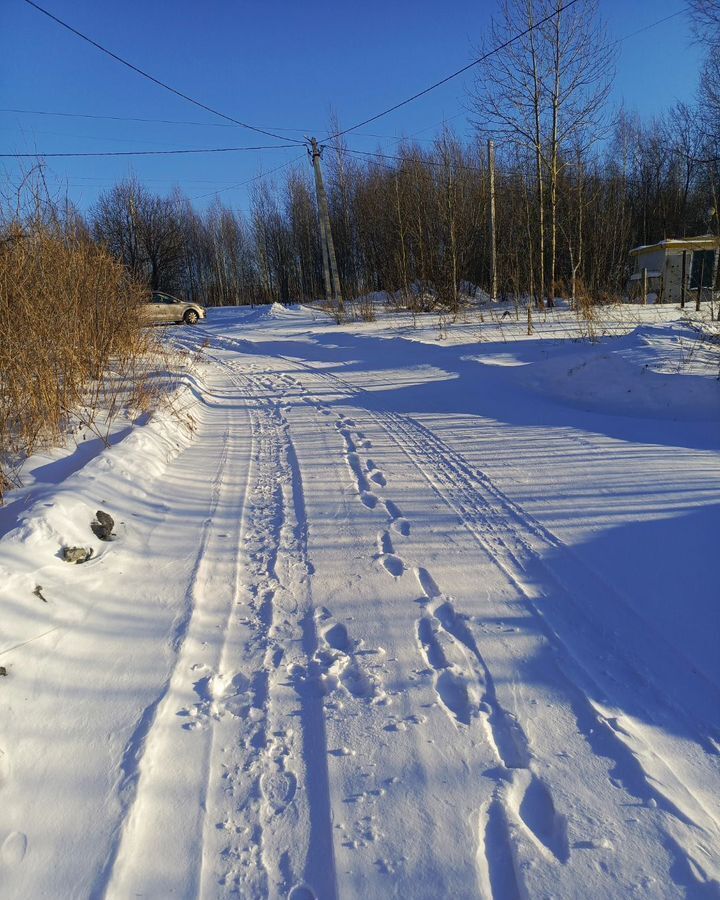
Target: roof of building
[(701, 242)]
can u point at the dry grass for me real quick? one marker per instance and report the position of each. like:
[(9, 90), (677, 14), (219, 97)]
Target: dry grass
[(71, 344)]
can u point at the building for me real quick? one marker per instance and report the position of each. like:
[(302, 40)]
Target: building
[(665, 262)]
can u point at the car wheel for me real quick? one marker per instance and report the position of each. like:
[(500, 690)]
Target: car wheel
[(190, 317)]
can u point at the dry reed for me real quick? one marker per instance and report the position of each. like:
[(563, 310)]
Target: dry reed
[(71, 345)]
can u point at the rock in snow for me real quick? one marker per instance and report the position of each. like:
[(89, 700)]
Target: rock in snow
[(76, 555), (103, 525)]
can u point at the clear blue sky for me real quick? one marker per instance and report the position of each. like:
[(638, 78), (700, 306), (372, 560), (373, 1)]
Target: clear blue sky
[(280, 64)]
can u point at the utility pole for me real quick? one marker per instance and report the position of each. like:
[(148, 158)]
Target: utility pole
[(493, 246), (330, 270), (684, 280), (326, 261)]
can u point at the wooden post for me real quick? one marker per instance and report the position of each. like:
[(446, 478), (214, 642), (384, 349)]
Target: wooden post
[(644, 286), (326, 261), (699, 287), (684, 280), (493, 243), (325, 226)]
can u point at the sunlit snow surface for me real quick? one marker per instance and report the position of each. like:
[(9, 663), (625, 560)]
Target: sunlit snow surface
[(417, 609)]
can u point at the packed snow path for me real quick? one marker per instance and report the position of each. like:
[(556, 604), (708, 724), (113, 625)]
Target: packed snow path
[(361, 667)]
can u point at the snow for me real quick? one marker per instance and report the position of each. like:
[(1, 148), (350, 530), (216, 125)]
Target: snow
[(389, 611)]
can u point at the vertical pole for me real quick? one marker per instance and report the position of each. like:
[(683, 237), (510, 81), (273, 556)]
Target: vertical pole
[(326, 261), (323, 240), (684, 280), (644, 285), (700, 284), (493, 244), (325, 226)]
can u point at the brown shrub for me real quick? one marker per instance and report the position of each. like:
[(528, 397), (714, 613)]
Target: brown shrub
[(70, 337)]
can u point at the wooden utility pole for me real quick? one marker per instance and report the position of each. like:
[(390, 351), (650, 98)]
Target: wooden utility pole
[(493, 244), (700, 283), (330, 270), (684, 279), (326, 261)]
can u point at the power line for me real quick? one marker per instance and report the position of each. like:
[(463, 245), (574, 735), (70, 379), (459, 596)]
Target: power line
[(235, 123), (145, 152), (502, 171), (424, 160), (89, 180), (490, 53), (614, 43), (651, 25), (33, 133), (152, 78), (69, 115), (240, 184), (452, 75)]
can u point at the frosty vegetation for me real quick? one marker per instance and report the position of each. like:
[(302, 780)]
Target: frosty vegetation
[(73, 354)]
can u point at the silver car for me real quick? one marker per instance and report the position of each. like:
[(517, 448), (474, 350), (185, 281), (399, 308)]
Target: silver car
[(163, 309)]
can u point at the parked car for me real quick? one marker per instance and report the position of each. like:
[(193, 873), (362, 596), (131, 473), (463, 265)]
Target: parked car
[(162, 309)]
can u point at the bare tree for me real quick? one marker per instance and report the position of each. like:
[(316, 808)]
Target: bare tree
[(706, 20), (142, 230), (544, 94)]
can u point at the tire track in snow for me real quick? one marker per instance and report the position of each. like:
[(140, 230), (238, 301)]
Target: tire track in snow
[(215, 698), (499, 533), (153, 744), (510, 536), (463, 682), (334, 662), (524, 539), (652, 779), (274, 796), (514, 539)]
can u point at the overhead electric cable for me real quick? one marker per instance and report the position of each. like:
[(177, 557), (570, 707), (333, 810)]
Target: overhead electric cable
[(487, 55), (250, 180), (452, 75), (427, 162), (157, 81), (146, 152), (651, 25), (492, 131), (69, 115), (424, 160)]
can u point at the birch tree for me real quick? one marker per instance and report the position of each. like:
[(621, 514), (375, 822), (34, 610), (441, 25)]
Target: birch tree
[(544, 94)]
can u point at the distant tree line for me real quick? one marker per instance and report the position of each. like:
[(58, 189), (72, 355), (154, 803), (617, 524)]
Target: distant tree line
[(415, 221)]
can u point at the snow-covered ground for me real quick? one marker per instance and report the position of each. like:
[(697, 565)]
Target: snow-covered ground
[(389, 612)]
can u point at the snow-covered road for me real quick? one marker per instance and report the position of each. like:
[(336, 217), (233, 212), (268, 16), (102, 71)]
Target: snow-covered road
[(381, 620)]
